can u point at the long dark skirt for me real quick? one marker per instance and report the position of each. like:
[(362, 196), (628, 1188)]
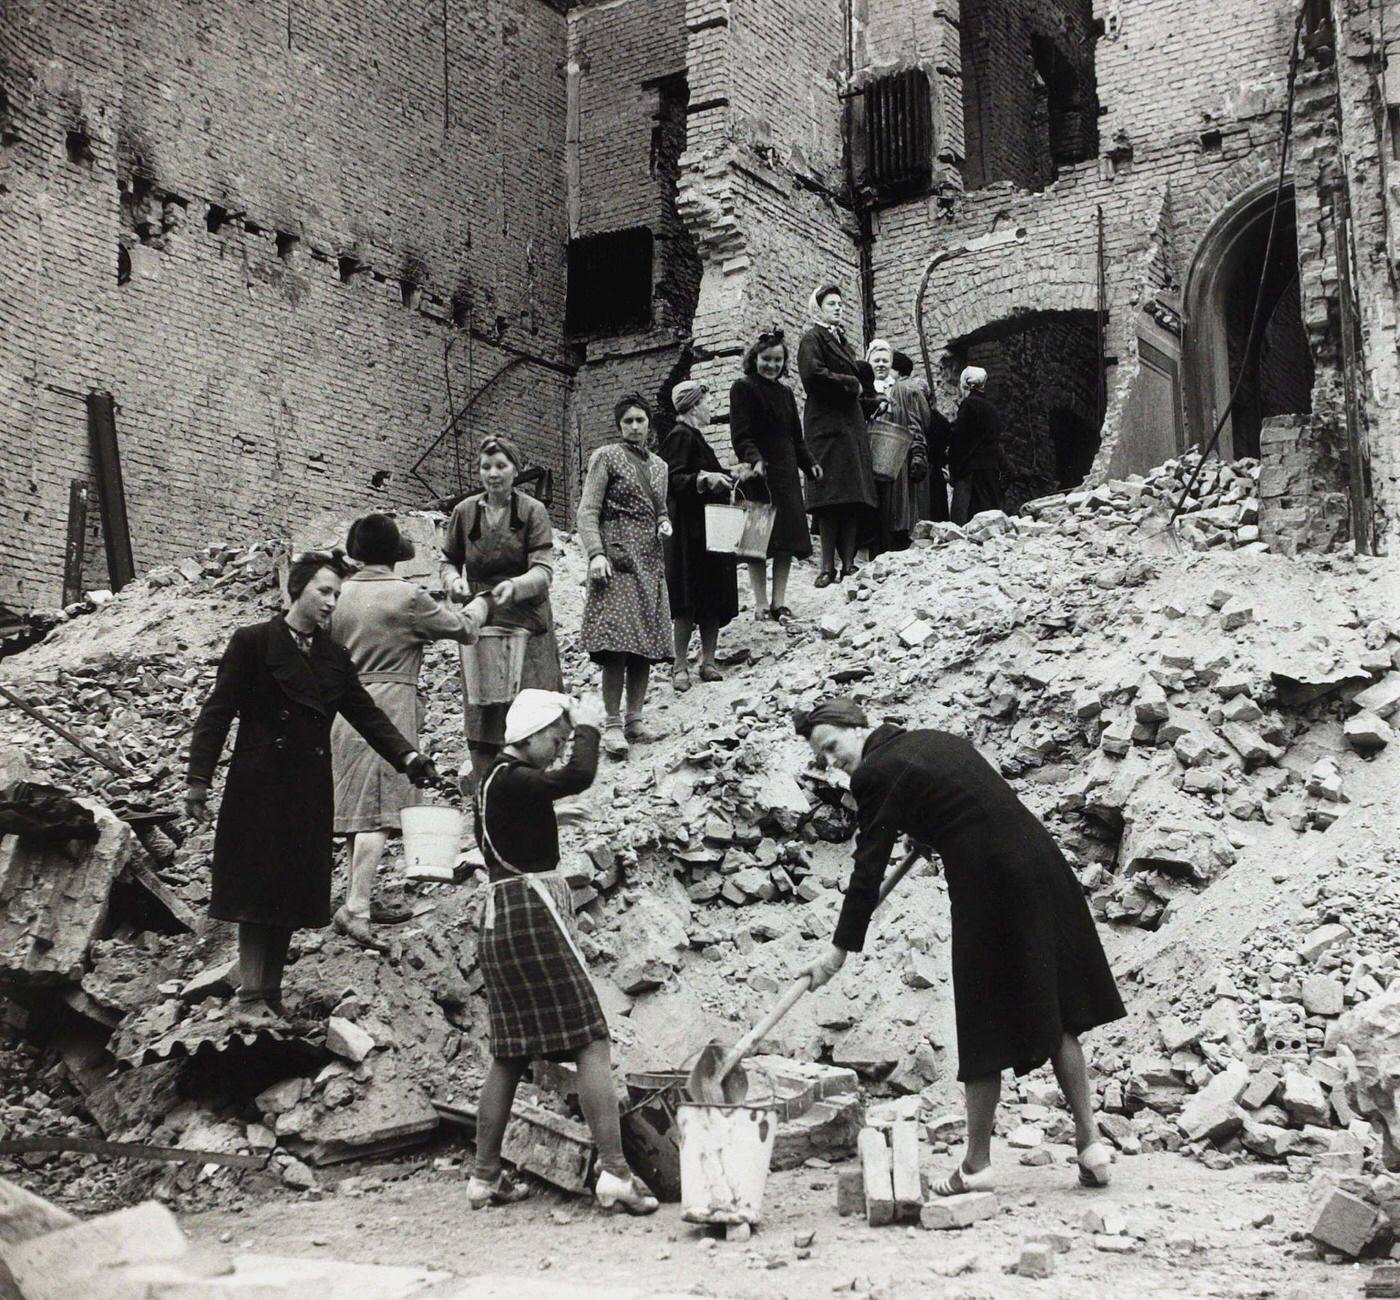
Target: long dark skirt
[(539, 1000), (1028, 966), (980, 490)]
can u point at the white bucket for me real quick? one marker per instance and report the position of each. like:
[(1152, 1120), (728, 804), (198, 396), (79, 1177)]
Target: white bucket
[(491, 669), (725, 1153), (432, 834)]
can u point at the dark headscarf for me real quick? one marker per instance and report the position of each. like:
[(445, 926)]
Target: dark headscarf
[(838, 711)]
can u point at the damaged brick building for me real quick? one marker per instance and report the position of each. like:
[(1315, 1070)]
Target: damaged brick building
[(285, 262)]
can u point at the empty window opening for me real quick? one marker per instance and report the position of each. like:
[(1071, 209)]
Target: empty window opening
[(899, 144), (1211, 141), (610, 283), (349, 267), (1030, 101), (78, 146), (123, 264), (9, 132), (1043, 376), (287, 245), (216, 218)]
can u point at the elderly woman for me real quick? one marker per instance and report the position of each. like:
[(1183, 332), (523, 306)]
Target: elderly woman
[(622, 522), (975, 457), (766, 432), (499, 545), (842, 499), (540, 999), (700, 582), (930, 493), (384, 622), (905, 407), (1029, 973), (285, 681)]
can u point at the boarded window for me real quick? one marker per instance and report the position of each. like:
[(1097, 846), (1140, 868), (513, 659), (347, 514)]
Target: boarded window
[(610, 281), (899, 131)]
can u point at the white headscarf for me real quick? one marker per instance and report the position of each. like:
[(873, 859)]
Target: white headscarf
[(972, 377), (533, 710)]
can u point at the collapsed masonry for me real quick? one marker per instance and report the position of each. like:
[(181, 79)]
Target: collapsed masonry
[(1218, 768)]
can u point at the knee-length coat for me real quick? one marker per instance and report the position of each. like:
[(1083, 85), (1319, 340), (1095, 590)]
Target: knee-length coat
[(1027, 962), (834, 423), (700, 583), (272, 845), (764, 427)]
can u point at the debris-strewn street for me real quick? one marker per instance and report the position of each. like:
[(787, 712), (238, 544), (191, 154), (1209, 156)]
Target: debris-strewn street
[(1204, 725)]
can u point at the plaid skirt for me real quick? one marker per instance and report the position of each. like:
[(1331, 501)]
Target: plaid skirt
[(540, 1000)]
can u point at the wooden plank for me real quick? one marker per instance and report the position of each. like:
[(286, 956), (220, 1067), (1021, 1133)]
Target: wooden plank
[(878, 1168), (111, 494), (904, 1153), (129, 1150)]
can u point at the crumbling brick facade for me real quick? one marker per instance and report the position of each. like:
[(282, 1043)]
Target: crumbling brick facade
[(261, 229)]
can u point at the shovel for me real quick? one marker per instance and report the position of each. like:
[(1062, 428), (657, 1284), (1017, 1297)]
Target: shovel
[(717, 1078)]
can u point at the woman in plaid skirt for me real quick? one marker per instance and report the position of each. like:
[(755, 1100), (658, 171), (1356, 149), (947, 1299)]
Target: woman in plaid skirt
[(540, 999)]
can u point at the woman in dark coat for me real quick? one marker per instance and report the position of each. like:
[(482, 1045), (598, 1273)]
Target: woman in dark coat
[(285, 681), (975, 455), (843, 499), (766, 432), (1029, 973), (699, 582)]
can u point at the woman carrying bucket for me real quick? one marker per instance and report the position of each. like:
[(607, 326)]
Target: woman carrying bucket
[(541, 1002), (384, 622), (499, 543), (622, 523), (766, 431), (901, 425), (700, 582)]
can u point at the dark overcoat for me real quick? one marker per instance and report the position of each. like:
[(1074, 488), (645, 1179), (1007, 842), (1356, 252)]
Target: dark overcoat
[(700, 583), (1027, 962), (272, 846), (764, 426), (834, 423)]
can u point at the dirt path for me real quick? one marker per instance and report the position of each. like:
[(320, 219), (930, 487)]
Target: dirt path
[(1194, 1228)]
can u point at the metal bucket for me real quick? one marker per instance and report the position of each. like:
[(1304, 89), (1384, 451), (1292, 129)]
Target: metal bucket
[(491, 669), (740, 527), (725, 1154), (432, 835), (889, 448)]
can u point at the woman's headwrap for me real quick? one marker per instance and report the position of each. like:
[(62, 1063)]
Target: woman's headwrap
[(876, 345), (839, 711), (972, 377), (814, 303), (493, 443), (533, 710), (688, 393)]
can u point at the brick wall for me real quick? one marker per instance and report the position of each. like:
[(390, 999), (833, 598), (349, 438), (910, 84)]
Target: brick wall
[(386, 171)]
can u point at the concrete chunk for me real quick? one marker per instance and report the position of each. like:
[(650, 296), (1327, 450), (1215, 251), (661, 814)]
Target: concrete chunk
[(1342, 1222), (947, 1212), (1214, 1112), (877, 1168), (345, 1038)]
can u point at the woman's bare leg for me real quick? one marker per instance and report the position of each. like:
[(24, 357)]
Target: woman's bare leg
[(782, 567), (758, 582), (599, 1101), (982, 1097), (1072, 1073), (493, 1114), (681, 630)]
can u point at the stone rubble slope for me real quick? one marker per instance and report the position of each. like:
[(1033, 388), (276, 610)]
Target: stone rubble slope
[(1190, 718)]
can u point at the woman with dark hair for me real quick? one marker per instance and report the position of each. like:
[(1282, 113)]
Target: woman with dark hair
[(285, 681), (384, 622), (700, 582), (843, 499), (499, 545), (766, 432), (622, 522)]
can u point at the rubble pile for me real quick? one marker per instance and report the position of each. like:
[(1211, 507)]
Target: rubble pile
[(1189, 723)]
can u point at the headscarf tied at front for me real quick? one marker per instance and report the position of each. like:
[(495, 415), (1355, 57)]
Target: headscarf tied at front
[(814, 303), (839, 711)]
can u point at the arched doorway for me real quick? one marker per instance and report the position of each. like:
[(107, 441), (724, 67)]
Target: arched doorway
[(1220, 293)]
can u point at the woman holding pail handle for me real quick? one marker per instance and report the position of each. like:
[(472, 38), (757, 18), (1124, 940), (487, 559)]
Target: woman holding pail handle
[(499, 543)]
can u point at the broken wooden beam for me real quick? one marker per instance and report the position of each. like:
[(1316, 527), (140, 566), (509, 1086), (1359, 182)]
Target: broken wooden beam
[(129, 1151)]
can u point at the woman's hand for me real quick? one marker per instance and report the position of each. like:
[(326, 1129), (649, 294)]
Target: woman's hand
[(822, 970), (422, 771), (713, 480), (503, 593), (588, 712), (663, 528), (459, 590), (747, 471), (197, 805), (600, 571)]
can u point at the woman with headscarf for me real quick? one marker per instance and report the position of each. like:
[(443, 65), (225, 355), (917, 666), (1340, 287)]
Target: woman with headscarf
[(905, 407), (539, 997), (975, 456), (700, 582), (384, 622), (1029, 972), (499, 545), (843, 499), (285, 681), (766, 432), (622, 522), (931, 493)]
